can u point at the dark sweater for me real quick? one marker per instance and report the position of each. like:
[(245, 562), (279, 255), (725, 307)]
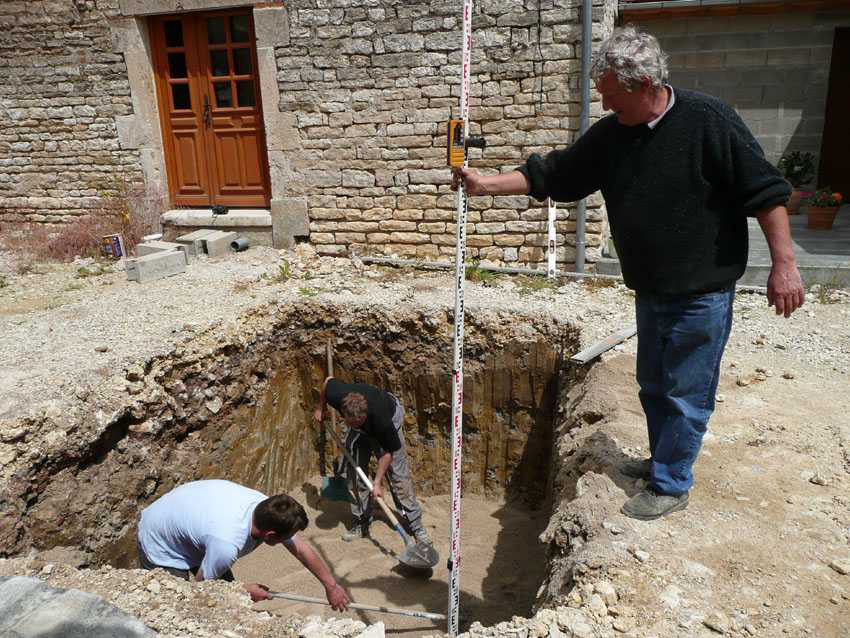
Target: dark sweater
[(677, 195)]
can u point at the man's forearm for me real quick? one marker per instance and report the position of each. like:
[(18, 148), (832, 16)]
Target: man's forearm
[(307, 557), (383, 464), (512, 183), (777, 231)]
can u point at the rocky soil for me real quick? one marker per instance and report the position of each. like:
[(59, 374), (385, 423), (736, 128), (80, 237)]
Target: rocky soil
[(763, 549)]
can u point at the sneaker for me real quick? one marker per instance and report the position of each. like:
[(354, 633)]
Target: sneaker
[(422, 537), (638, 469), (649, 505), (356, 532)]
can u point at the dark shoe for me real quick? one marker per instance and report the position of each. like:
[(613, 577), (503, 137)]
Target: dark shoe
[(637, 469), (649, 505), (356, 532)]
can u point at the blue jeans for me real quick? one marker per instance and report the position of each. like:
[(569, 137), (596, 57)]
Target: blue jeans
[(680, 343)]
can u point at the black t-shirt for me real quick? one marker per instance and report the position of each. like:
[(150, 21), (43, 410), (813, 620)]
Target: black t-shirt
[(381, 408)]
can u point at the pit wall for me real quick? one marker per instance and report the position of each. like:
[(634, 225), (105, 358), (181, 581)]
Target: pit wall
[(356, 96), (215, 408)]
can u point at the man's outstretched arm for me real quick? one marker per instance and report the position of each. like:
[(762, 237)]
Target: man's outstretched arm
[(512, 183), (310, 559)]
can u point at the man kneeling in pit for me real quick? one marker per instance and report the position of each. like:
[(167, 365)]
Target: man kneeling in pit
[(198, 530)]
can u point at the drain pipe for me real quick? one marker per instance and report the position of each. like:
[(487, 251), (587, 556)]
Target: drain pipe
[(444, 265), (584, 122)]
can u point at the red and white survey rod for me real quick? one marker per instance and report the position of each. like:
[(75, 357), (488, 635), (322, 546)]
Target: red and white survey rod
[(457, 365)]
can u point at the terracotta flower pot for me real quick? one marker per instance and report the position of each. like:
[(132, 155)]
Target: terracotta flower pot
[(821, 217), (793, 205)]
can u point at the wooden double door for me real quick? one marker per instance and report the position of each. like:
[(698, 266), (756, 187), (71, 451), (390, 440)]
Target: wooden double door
[(210, 107)]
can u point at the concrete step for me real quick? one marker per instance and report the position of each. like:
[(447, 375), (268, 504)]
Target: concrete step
[(156, 266)]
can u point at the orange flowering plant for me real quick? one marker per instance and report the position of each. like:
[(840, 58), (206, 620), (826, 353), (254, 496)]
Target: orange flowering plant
[(824, 197)]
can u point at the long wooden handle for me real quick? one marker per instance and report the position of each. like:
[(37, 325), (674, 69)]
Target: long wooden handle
[(386, 610)]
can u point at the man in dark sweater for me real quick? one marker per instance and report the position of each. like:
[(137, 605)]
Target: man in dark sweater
[(375, 419), (680, 173)]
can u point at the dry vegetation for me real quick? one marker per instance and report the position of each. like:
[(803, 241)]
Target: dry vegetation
[(123, 209)]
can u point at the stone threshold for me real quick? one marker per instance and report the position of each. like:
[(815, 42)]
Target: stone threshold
[(238, 217)]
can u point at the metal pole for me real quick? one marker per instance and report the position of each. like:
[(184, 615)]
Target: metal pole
[(385, 610), (457, 365), (584, 122), (551, 271)]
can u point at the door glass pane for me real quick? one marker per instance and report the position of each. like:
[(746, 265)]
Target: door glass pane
[(223, 95), (174, 33), (216, 30), (218, 63), (239, 28), (180, 93), (177, 65), (242, 61), (245, 93)]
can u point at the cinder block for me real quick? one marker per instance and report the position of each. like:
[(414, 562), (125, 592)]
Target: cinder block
[(218, 243), (156, 266), (194, 241), (156, 246)]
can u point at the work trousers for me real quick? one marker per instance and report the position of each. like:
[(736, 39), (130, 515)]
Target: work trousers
[(680, 344), (361, 446), (184, 574)]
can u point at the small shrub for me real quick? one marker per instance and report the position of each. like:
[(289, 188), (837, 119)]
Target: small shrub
[(528, 285), (798, 168), (475, 273), (3, 281), (307, 292), (594, 284)]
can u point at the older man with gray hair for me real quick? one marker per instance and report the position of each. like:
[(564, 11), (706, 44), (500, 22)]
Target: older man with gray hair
[(680, 173)]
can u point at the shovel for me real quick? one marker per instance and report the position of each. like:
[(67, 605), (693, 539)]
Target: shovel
[(415, 555)]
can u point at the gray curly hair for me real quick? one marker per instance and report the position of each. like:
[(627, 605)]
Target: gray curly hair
[(632, 55)]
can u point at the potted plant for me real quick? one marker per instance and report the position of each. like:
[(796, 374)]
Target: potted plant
[(799, 169), (822, 205)]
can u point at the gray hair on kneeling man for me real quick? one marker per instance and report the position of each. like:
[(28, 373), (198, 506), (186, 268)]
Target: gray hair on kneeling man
[(633, 55)]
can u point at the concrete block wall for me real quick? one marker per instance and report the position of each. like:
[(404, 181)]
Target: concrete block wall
[(371, 85), (63, 92), (773, 68)]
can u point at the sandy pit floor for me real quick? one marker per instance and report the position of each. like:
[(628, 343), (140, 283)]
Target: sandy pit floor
[(503, 564)]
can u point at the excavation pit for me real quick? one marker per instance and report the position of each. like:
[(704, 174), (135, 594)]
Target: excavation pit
[(242, 410)]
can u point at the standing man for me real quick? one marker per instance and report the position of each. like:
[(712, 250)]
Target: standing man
[(680, 173), (374, 418), (198, 530)]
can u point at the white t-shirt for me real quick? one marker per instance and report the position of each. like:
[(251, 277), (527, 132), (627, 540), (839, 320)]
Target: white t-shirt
[(204, 523)]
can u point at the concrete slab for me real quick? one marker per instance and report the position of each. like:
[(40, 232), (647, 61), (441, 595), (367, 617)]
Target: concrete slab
[(156, 246), (156, 266), (217, 243), (194, 241)]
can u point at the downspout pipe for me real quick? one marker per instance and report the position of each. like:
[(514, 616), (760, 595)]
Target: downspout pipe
[(584, 122)]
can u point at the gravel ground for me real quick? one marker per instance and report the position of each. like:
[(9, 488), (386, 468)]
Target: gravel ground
[(67, 328)]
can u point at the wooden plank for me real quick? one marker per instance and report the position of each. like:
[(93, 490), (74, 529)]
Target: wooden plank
[(603, 346)]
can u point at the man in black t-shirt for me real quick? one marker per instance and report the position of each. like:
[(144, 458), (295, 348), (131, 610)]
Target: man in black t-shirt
[(374, 418)]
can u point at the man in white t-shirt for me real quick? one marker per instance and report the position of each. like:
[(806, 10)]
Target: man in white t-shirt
[(198, 530)]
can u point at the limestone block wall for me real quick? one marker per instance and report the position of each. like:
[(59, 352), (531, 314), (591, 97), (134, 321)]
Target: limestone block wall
[(63, 92), (371, 86), (773, 68)]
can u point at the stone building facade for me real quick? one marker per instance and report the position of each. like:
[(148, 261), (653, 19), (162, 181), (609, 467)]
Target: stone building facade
[(355, 95)]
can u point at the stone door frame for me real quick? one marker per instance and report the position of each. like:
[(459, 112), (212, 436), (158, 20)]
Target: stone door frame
[(141, 130)]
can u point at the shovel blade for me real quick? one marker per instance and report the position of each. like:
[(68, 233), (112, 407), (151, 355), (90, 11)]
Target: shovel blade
[(419, 556)]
